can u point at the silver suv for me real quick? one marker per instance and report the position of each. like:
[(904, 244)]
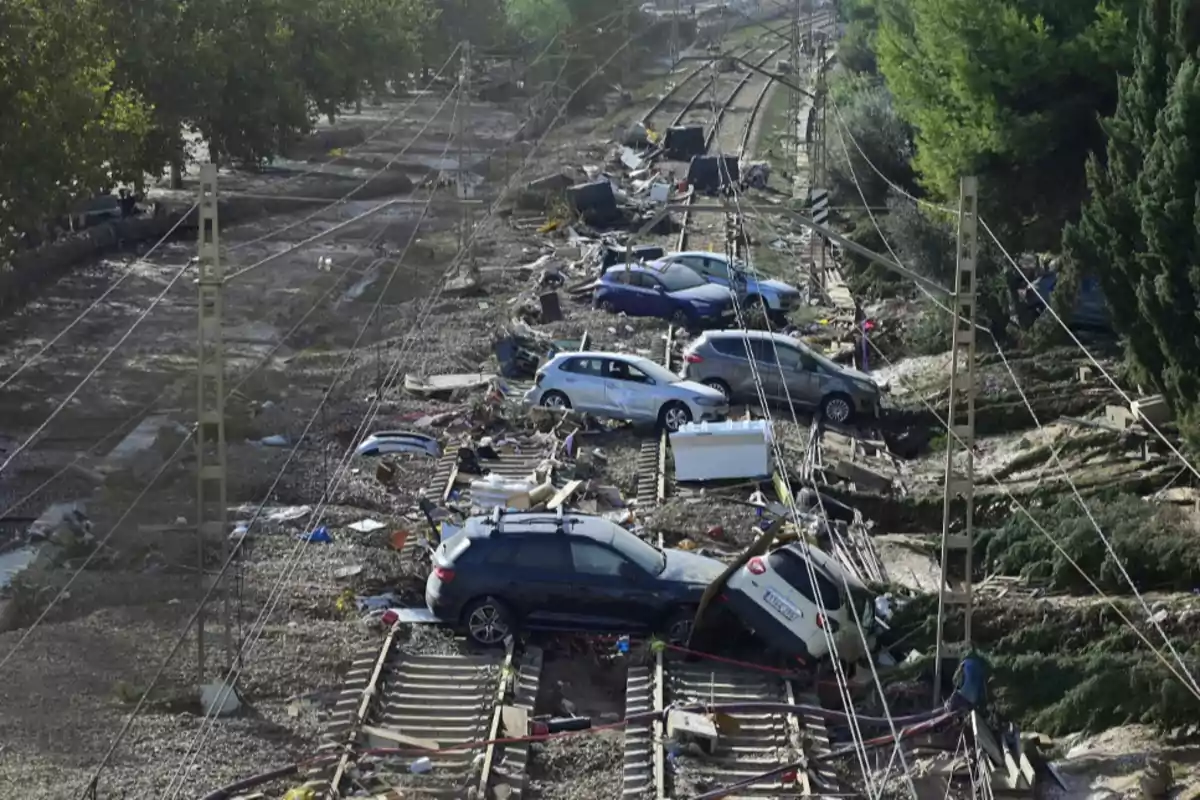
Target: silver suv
[(721, 360)]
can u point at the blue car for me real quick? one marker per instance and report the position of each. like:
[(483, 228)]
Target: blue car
[(668, 291)]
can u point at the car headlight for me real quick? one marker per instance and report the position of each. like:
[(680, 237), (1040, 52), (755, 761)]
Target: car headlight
[(708, 402)]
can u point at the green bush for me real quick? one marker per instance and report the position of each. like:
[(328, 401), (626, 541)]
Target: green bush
[(1060, 669), (1154, 544)]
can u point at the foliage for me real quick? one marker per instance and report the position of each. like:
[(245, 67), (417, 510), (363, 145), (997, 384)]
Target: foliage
[(100, 92), (1062, 669), (1138, 232), (1007, 90), (582, 33), (864, 107), (65, 127), (856, 47), (1154, 545)]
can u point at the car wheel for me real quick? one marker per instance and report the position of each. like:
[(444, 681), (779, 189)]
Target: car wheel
[(488, 622), (556, 400), (677, 628), (721, 386), (680, 319), (837, 408), (674, 416), (607, 307)]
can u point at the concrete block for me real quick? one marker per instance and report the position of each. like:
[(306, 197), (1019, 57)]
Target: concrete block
[(1118, 416), (1152, 409), (861, 476)]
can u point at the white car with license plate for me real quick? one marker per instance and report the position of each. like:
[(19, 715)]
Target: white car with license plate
[(620, 386), (774, 596)]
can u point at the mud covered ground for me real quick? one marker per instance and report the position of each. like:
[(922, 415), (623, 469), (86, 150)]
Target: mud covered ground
[(73, 679)]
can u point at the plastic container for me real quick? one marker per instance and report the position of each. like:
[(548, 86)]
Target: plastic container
[(711, 451)]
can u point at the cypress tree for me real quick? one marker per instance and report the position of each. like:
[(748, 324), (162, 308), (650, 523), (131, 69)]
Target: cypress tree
[(1119, 224), (1168, 288)]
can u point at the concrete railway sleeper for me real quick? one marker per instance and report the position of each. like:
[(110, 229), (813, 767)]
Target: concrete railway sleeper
[(402, 716), (754, 743)]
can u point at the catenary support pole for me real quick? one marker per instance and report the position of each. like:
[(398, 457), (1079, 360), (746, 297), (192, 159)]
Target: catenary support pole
[(957, 547), (210, 405)]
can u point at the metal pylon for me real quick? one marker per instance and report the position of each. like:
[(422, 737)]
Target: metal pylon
[(957, 548)]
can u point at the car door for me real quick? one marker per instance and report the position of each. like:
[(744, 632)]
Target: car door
[(768, 368), (534, 577), (629, 391), (656, 301), (583, 381), (714, 270), (803, 376), (623, 295), (612, 591)]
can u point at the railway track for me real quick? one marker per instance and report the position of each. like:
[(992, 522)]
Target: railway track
[(688, 78), (428, 722), (751, 744), (652, 481)]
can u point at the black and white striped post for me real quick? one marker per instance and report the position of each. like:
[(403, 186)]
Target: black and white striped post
[(818, 207)]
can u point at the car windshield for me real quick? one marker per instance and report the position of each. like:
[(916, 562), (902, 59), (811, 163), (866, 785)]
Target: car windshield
[(659, 373), (677, 278), (651, 559)]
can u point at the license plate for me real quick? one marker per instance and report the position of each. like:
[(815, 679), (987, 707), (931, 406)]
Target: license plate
[(785, 608)]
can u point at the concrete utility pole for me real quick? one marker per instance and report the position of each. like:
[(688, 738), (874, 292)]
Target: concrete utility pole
[(820, 191), (960, 423), (465, 188), (792, 143), (211, 521), (674, 35)]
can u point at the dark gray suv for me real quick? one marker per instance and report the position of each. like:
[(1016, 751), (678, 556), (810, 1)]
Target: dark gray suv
[(721, 359), (555, 571)]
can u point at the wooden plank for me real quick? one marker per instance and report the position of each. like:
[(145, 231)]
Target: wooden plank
[(390, 735), (364, 705), (564, 494), (489, 756)]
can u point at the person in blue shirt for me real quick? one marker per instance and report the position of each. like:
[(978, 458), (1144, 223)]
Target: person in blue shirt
[(970, 684)]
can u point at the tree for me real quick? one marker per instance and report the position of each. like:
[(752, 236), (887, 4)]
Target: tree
[(1138, 232), (1007, 90), (65, 128), (866, 109)]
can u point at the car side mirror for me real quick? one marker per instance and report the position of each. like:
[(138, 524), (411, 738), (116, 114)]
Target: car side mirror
[(658, 287)]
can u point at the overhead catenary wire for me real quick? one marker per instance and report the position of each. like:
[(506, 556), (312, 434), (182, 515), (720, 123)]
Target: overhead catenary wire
[(340, 469), (158, 299), (781, 463), (239, 663), (1029, 283), (842, 683), (1078, 496), (1188, 682), (785, 476), (234, 551), (130, 271), (168, 461), (259, 625), (95, 303), (125, 514)]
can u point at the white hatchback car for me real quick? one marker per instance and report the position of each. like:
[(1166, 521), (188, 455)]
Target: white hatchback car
[(774, 596), (626, 387)]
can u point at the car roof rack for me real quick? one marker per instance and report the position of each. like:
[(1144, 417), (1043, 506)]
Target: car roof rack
[(559, 521)]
